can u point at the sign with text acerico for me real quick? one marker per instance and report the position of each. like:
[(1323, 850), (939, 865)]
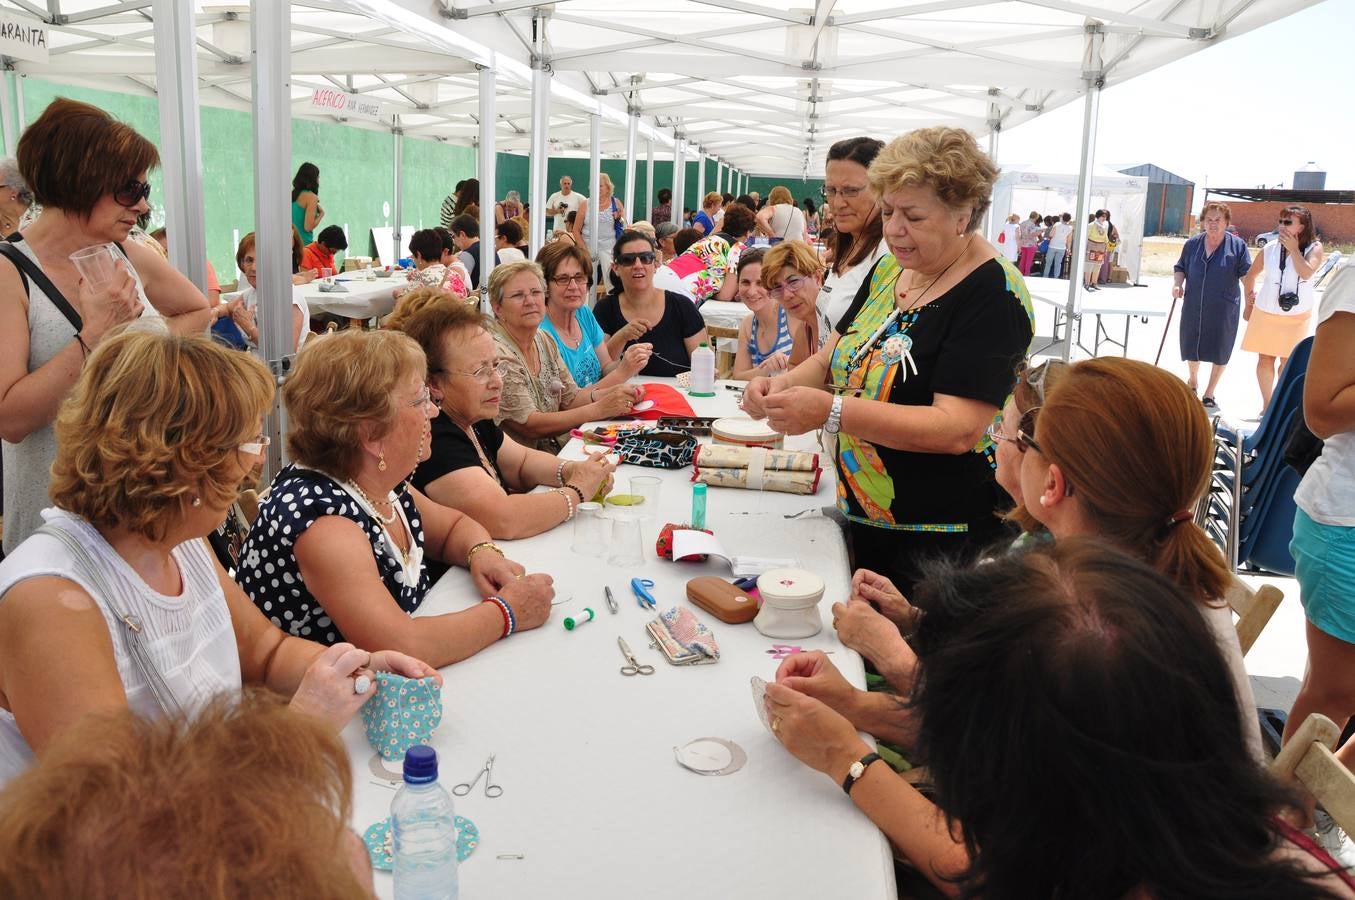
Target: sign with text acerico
[(339, 103), (23, 38)]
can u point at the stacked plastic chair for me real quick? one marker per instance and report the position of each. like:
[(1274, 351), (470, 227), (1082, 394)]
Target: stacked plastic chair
[(1249, 507)]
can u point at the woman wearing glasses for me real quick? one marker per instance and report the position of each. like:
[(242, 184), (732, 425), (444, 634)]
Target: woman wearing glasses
[(857, 241), (473, 466), (338, 550), (13, 207), (576, 331), (540, 401), (89, 173), (641, 313), (793, 276), (1277, 317), (152, 453), (919, 365)]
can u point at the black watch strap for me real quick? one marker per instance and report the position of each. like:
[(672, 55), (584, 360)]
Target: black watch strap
[(850, 780)]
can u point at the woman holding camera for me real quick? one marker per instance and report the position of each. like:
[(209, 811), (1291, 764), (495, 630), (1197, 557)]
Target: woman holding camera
[(1277, 316)]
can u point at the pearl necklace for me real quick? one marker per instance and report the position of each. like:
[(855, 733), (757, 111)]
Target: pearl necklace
[(389, 520)]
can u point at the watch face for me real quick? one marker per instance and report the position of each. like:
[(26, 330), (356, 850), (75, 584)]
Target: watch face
[(856, 769)]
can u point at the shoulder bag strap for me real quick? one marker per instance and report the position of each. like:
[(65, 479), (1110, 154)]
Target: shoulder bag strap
[(133, 637), (28, 270)]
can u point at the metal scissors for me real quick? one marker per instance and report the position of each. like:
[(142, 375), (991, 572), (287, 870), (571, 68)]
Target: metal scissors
[(634, 668), (491, 789), (640, 587)]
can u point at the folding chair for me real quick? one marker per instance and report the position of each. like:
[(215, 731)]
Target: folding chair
[(1253, 608), (724, 358), (1308, 759)]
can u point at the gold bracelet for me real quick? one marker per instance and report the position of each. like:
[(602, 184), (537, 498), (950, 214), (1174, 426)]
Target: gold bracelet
[(483, 545)]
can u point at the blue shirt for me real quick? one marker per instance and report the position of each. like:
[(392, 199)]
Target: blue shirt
[(582, 361), (705, 221)]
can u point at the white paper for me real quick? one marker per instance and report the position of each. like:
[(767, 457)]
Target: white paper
[(688, 542)]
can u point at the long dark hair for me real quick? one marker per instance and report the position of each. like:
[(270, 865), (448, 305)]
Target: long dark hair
[(1309, 234), (307, 178), (848, 250), (467, 194), (1082, 728)]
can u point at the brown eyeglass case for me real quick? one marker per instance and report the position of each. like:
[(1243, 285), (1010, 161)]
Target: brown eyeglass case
[(721, 599)]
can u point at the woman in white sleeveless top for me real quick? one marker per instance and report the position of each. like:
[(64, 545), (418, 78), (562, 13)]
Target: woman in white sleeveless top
[(88, 171), (781, 219), (151, 455), (1278, 316)]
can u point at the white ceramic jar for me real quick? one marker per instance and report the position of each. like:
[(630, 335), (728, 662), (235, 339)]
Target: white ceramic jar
[(790, 603)]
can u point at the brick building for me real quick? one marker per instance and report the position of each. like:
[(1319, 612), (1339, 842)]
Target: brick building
[(1255, 210)]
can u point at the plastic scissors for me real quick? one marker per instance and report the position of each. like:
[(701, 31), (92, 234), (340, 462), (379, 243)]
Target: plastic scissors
[(640, 587), (634, 667), (491, 789)]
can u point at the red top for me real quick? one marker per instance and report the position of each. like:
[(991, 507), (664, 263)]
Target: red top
[(316, 256)]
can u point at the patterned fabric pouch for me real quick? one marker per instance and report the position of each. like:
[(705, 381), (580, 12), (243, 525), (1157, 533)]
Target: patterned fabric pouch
[(656, 448), (403, 713), (690, 632)]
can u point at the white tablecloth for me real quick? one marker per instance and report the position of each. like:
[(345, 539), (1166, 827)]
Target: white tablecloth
[(364, 299), (724, 313), (592, 796)]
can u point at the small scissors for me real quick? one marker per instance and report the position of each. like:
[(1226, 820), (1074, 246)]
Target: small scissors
[(491, 789), (640, 586), (634, 668)]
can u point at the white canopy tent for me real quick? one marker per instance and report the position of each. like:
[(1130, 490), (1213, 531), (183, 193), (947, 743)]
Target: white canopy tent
[(1023, 190), (761, 88)]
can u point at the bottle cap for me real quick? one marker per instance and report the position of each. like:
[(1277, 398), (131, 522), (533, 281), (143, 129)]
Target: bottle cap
[(421, 765), (699, 488)]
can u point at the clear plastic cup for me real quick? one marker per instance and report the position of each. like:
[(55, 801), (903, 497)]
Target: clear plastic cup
[(590, 530), (627, 546), (647, 488), (96, 264)]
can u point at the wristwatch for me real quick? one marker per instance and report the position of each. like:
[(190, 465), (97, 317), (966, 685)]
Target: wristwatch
[(834, 423), (857, 769)]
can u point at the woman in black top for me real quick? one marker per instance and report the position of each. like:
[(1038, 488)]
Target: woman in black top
[(642, 313), (473, 465), (930, 342)]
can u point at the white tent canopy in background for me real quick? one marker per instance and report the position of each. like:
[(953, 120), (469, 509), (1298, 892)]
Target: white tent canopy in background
[(1023, 190)]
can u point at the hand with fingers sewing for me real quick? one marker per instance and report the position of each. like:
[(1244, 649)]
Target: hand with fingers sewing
[(879, 590), (813, 733), (327, 689), (492, 571), (863, 629), (814, 675), (796, 410)]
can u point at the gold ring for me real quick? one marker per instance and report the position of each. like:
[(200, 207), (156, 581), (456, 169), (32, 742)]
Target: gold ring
[(776, 725)]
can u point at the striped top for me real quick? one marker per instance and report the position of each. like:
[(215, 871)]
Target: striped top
[(783, 339)]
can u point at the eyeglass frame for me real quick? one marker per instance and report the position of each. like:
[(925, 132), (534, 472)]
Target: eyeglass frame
[(256, 447), (520, 297), (792, 284), (630, 259), (847, 193), (564, 281), (499, 367), (141, 189), (425, 398)]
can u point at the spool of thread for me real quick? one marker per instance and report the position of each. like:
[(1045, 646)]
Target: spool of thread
[(572, 622)]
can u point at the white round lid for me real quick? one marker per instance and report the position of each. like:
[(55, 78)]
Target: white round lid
[(744, 428), (789, 584)]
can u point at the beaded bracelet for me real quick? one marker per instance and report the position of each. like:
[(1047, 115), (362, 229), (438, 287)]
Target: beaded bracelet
[(510, 622), (560, 474), (569, 501), (578, 492)]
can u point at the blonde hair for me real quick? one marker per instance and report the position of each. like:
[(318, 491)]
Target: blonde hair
[(646, 226), (154, 419), (712, 199), (246, 799), (505, 272), (948, 160), (339, 384), (605, 180), (780, 194), (415, 300), (795, 255)]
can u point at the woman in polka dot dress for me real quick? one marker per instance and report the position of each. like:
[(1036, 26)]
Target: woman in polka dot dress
[(337, 552)]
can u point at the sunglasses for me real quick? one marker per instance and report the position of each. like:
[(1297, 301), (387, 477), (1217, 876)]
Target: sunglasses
[(132, 193), (1286, 221), (629, 259)]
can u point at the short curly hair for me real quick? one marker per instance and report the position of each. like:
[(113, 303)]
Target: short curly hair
[(155, 419), (412, 301), (340, 383), (505, 272), (247, 798), (948, 160), (553, 255), (431, 323)]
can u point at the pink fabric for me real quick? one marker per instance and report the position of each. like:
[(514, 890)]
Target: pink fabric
[(1027, 260)]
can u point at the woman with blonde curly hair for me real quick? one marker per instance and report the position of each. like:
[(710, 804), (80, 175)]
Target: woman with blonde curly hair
[(243, 800), (921, 364), (337, 552), (151, 454)]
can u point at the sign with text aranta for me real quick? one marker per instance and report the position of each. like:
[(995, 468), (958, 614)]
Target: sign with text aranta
[(23, 38), (338, 103)]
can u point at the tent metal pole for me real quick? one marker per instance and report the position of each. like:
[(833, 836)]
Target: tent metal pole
[(397, 170), (7, 122), (991, 219), (176, 78), (270, 36), (594, 179), (649, 180), (1095, 80), (22, 121), (679, 181), (700, 178), (632, 132), (487, 161), (536, 189)]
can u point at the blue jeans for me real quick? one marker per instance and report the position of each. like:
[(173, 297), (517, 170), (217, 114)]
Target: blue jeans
[(1053, 262)]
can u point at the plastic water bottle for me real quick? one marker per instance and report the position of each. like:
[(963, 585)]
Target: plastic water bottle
[(423, 831), (703, 372)]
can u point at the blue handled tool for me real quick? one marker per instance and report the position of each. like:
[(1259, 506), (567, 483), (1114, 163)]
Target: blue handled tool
[(639, 587)]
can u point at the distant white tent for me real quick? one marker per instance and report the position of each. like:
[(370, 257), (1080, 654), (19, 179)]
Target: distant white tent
[(1023, 190)]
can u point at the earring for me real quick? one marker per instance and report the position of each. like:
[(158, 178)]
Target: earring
[(1044, 500), (381, 462), (197, 501)]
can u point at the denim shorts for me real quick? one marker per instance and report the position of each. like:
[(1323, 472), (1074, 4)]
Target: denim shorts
[(1325, 567)]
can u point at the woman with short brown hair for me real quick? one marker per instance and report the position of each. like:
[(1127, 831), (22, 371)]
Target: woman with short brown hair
[(1206, 280), (89, 173)]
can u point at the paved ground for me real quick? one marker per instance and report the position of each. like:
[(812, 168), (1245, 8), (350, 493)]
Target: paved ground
[(1277, 658)]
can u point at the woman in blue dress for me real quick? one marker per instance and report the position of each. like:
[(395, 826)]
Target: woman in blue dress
[(1208, 276)]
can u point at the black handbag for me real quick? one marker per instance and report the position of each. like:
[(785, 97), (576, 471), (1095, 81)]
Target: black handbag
[(656, 448), (1302, 447)]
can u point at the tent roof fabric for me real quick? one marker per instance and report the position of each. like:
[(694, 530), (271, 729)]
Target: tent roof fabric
[(758, 84)]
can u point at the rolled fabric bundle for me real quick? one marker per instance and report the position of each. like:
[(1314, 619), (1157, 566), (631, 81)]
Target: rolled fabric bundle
[(756, 468)]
